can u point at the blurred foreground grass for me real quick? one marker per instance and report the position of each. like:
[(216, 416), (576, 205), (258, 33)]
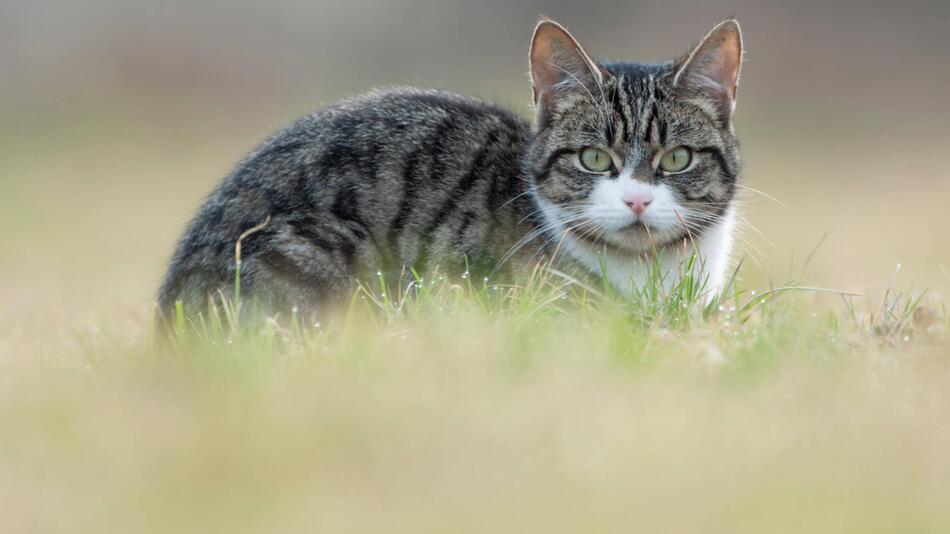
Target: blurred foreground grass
[(457, 408)]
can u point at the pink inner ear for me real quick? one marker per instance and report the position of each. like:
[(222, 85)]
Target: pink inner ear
[(543, 65), (726, 64), (714, 67), (556, 58)]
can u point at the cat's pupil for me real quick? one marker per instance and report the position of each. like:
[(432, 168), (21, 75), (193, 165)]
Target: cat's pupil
[(676, 160), (595, 159)]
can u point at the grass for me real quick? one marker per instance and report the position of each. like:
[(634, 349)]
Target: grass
[(671, 304), (454, 405), (461, 405)]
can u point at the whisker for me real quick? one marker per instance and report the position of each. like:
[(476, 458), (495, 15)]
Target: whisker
[(531, 236), (514, 198), (762, 193)]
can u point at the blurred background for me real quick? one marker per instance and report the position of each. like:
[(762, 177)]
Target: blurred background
[(117, 117)]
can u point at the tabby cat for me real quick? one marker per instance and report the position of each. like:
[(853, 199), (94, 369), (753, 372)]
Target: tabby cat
[(624, 164)]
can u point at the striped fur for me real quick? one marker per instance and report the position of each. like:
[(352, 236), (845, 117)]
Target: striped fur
[(407, 179)]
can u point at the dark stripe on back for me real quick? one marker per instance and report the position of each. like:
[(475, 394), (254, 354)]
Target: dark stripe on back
[(433, 147), (410, 179), (466, 183)]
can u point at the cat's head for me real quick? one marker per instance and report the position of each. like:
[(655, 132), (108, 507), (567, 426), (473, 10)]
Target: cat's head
[(634, 156)]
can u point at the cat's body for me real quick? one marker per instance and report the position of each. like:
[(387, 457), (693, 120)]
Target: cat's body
[(391, 180), (403, 180)]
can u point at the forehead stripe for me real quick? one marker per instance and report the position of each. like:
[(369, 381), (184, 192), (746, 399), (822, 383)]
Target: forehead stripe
[(648, 132), (617, 101)]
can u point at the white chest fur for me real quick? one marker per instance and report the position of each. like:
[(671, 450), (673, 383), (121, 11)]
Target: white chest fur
[(629, 272)]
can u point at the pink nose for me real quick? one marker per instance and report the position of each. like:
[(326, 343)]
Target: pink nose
[(638, 202)]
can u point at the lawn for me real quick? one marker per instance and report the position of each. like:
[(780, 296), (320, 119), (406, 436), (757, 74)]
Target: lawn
[(459, 406)]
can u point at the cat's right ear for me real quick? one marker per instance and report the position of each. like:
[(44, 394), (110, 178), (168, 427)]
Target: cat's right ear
[(559, 65), (710, 73)]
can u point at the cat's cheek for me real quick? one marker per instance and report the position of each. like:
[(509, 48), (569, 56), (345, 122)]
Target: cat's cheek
[(605, 205), (665, 211), (557, 190)]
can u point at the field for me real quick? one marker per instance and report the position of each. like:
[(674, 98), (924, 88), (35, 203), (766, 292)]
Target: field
[(815, 397)]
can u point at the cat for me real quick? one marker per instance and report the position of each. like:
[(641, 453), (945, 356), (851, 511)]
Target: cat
[(625, 166)]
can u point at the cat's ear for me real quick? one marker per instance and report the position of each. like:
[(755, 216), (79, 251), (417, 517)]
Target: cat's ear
[(559, 64), (711, 71)]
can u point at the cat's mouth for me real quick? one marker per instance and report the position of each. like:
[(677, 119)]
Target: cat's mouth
[(637, 226), (595, 241), (633, 239)]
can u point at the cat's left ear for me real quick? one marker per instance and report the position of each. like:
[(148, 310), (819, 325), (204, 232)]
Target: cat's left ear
[(711, 71), (559, 64)]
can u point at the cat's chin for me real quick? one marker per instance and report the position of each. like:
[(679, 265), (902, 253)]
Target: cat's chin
[(635, 239)]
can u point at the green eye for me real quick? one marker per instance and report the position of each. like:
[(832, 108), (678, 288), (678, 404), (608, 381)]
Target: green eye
[(596, 159), (676, 160)]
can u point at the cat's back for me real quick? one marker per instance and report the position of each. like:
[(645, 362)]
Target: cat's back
[(391, 135), (395, 117), (377, 177)]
